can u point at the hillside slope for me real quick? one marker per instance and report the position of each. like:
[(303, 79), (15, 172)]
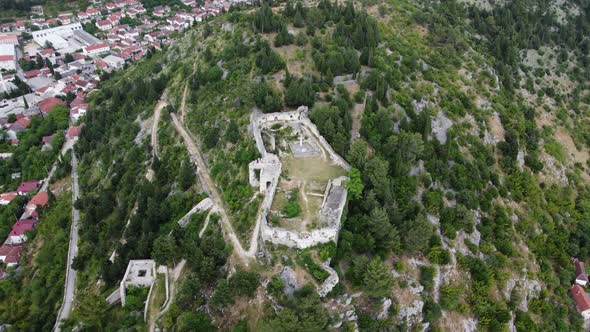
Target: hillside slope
[(465, 128)]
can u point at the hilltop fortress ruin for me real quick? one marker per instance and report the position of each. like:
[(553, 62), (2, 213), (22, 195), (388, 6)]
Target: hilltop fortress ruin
[(292, 137)]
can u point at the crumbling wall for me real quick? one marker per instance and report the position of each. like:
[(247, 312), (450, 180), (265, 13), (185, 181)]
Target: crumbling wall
[(270, 171), (300, 240), (328, 284)]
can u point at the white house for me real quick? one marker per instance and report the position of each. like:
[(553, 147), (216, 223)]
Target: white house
[(104, 25), (114, 61), (96, 49), (7, 57)]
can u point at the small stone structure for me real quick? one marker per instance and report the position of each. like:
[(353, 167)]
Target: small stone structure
[(270, 170), (203, 205), (142, 273), (269, 167)]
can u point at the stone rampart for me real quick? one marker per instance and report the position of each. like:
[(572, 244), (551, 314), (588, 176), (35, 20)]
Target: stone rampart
[(270, 170)]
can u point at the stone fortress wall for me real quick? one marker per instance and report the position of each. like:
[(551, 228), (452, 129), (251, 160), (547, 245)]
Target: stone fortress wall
[(269, 167)]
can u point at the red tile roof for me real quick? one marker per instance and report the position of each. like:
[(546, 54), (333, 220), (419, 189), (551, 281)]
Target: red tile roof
[(6, 58), (10, 196), (32, 73), (96, 46), (12, 252), (48, 104), (581, 298), (24, 122), (22, 226), (47, 139), (74, 131), (9, 38), (40, 199), (48, 51), (25, 187)]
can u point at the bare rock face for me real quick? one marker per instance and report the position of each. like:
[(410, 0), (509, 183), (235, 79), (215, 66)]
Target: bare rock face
[(440, 126), (385, 309), (412, 314), (290, 280)]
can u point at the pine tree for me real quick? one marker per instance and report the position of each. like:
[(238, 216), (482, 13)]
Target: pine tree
[(377, 280)]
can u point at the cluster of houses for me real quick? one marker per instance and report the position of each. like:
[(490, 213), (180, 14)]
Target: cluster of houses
[(21, 121), (578, 289), (12, 248), (66, 34), (67, 62)]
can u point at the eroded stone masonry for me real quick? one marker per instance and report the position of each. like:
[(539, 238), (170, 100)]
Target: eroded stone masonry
[(265, 173)]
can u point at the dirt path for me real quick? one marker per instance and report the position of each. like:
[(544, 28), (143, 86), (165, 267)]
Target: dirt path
[(173, 276), (157, 112), (183, 104), (210, 188), (357, 115)]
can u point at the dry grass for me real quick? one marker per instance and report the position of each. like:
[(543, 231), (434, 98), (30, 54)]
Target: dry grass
[(496, 128), (311, 169)]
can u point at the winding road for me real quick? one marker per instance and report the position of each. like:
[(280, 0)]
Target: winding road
[(70, 283), (157, 112), (209, 187)]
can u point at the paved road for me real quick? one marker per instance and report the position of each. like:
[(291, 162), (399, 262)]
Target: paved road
[(211, 189), (70, 283)]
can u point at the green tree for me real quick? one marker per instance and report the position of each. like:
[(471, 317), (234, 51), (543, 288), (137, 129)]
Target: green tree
[(355, 183), (376, 172), (358, 154), (383, 232), (417, 233), (164, 251), (92, 312), (232, 133), (194, 321), (377, 281), (68, 58), (186, 178)]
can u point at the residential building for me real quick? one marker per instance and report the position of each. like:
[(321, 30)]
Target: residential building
[(47, 105), (104, 25), (114, 61), (10, 254), (96, 49), (6, 198), (27, 187), (7, 57), (40, 200), (582, 300), (581, 276), (17, 234), (9, 39), (73, 133)]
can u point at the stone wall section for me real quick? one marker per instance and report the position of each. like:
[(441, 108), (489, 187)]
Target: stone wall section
[(267, 181)]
